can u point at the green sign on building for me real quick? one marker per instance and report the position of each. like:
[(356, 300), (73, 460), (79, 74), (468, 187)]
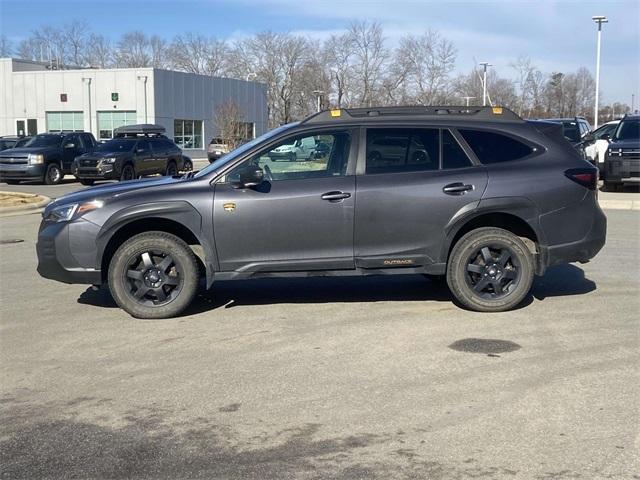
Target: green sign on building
[(114, 97)]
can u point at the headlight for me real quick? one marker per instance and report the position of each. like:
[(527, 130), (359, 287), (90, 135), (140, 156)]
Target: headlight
[(36, 158), (64, 213), (109, 160)]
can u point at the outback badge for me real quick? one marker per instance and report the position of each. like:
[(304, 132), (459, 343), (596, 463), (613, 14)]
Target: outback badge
[(229, 207)]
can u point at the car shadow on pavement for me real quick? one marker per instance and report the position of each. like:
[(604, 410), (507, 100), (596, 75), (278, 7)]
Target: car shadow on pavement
[(560, 280)]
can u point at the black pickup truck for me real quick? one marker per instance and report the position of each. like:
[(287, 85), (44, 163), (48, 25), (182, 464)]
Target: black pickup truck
[(46, 157)]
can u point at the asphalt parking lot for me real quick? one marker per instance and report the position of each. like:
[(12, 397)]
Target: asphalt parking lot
[(365, 378)]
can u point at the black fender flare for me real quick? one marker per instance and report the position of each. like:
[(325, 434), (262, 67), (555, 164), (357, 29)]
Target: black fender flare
[(520, 207), (180, 212)]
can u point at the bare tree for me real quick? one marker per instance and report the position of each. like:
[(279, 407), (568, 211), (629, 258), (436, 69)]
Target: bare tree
[(229, 122), (6, 47), (370, 55), (99, 52), (133, 51), (338, 53), (159, 52), (424, 62), (198, 54), (76, 35)]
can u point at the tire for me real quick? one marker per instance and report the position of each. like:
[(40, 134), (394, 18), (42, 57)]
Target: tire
[(171, 170), (53, 174), (12, 182), (128, 173), (86, 181), (490, 270), (140, 261), (187, 166), (609, 186)]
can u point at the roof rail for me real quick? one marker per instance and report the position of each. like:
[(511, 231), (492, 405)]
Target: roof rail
[(493, 114)]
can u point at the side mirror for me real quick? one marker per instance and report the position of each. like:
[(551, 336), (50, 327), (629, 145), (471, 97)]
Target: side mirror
[(588, 138), (252, 176), (70, 145), (605, 136)]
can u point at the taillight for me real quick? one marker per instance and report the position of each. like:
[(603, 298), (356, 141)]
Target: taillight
[(587, 177)]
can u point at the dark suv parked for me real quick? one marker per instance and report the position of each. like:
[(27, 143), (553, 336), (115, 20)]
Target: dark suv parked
[(135, 150), (622, 160), (476, 194), (45, 157), (576, 131)]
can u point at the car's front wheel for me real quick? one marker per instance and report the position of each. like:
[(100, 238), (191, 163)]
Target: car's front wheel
[(53, 175), (128, 173), (490, 270), (153, 275), (171, 170)]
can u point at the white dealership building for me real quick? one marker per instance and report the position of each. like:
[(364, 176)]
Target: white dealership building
[(34, 98)]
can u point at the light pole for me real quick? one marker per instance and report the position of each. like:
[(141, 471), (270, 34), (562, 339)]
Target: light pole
[(87, 80), (319, 94), (466, 99), (484, 82), (599, 19)]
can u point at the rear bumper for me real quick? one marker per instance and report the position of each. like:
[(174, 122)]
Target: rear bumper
[(581, 250), (21, 171)]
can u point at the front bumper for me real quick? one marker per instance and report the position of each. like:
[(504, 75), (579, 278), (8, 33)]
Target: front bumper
[(97, 172), (622, 170), (66, 252), (22, 171)]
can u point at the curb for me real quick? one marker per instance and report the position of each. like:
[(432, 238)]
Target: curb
[(620, 204), (24, 209)]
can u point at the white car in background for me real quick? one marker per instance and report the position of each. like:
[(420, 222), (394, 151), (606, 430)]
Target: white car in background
[(598, 147)]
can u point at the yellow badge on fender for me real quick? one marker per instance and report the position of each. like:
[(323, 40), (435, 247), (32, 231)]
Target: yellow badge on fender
[(229, 207)]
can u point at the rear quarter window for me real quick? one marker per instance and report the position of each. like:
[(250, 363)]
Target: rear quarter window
[(493, 147)]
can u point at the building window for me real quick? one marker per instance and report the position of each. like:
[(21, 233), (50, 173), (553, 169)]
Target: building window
[(187, 133), (109, 121), (65, 121)]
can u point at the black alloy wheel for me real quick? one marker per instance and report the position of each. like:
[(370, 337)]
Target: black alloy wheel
[(153, 275), (172, 170), (153, 278), (128, 173), (490, 270), (493, 272)]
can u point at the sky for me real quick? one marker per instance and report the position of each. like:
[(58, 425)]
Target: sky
[(556, 35)]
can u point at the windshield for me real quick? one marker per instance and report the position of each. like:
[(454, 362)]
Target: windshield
[(242, 149), (628, 130), (117, 145), (44, 141)]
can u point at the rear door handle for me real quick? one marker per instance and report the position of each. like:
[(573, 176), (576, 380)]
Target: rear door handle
[(335, 196), (457, 188)]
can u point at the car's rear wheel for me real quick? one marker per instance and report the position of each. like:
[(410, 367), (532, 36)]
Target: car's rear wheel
[(128, 173), (187, 165), (490, 270), (53, 175), (86, 181), (153, 275)]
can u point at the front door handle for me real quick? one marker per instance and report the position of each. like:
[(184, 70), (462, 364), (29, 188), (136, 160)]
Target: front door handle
[(457, 188), (335, 196)]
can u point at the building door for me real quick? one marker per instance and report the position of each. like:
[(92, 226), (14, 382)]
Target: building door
[(31, 125)]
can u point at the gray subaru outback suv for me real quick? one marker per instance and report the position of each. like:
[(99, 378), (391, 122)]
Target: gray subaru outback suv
[(475, 195)]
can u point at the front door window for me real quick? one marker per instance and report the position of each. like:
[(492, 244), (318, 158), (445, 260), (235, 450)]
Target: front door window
[(309, 156)]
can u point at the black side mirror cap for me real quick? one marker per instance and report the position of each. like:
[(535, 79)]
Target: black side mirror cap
[(250, 177)]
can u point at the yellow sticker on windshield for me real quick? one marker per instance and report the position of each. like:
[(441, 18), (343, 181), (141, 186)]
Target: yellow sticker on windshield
[(497, 110), (336, 113)]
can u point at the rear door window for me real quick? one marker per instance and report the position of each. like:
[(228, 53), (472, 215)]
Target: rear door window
[(453, 155), (493, 147), (402, 150)]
